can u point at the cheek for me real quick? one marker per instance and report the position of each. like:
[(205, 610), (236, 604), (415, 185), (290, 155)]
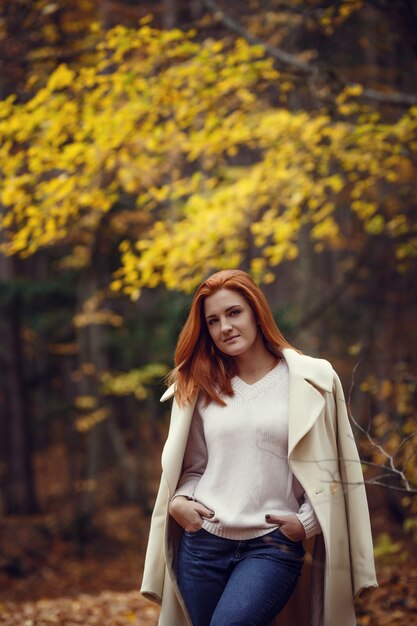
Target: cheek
[(251, 325), (216, 338), (212, 332)]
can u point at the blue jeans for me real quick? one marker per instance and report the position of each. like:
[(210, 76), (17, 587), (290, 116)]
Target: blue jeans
[(227, 582)]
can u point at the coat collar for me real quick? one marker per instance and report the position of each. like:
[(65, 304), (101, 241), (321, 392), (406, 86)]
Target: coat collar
[(168, 393), (308, 378), (318, 372)]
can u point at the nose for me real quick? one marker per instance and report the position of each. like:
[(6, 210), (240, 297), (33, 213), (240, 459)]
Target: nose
[(225, 325)]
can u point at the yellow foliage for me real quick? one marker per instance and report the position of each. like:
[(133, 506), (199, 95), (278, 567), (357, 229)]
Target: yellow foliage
[(85, 402), (92, 313), (108, 318), (385, 546), (85, 423), (134, 382), (159, 127)]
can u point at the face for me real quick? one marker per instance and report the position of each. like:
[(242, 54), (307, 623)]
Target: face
[(231, 322)]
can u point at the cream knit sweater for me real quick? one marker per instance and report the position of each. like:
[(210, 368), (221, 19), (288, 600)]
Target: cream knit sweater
[(236, 460)]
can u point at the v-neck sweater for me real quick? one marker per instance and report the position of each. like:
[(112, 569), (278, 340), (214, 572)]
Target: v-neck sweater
[(236, 460)]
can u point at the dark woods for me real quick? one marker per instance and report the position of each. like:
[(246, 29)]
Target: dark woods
[(87, 331)]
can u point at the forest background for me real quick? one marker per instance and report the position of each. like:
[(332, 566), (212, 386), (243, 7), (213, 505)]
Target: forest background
[(144, 145)]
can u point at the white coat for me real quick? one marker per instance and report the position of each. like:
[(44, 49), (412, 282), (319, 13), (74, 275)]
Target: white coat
[(323, 457)]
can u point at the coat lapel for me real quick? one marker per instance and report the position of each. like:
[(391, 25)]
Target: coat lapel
[(308, 378)]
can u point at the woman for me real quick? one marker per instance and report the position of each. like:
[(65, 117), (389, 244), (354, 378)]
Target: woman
[(260, 458)]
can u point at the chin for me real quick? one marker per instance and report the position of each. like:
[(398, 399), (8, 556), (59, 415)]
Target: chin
[(237, 352)]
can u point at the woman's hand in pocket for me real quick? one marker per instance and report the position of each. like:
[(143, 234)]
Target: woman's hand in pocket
[(188, 513), (289, 525)]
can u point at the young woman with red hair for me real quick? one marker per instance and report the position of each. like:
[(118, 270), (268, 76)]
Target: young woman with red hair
[(260, 457)]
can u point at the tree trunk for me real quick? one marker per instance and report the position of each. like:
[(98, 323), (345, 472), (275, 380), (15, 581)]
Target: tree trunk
[(20, 490), (169, 18), (92, 350), (308, 295)]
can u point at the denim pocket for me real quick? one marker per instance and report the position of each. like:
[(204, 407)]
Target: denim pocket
[(289, 544), (281, 532)]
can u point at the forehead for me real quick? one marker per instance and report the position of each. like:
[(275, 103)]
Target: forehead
[(222, 300)]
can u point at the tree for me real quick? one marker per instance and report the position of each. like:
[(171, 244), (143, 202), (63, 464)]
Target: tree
[(19, 496), (187, 156)]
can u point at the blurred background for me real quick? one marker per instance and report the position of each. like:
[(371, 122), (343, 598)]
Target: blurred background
[(144, 145)]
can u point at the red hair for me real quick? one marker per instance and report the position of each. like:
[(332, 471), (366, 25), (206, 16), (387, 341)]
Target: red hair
[(199, 365)]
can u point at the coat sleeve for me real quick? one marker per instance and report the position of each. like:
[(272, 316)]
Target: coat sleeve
[(357, 511), (154, 568)]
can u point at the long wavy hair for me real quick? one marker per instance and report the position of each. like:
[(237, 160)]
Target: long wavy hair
[(199, 364)]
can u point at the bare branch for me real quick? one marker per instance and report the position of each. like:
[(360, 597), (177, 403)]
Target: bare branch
[(277, 53), (382, 96), (333, 296), (404, 441), (390, 458), (376, 482)]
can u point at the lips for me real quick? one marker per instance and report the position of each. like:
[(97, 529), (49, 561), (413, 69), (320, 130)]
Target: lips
[(230, 338)]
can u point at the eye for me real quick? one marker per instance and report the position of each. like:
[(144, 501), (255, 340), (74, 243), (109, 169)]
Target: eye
[(235, 312), (211, 321)]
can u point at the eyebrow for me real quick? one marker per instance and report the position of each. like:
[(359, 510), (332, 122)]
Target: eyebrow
[(226, 310)]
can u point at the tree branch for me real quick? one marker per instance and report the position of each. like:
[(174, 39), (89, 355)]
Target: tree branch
[(392, 468), (57, 56), (334, 295), (397, 98), (277, 53)]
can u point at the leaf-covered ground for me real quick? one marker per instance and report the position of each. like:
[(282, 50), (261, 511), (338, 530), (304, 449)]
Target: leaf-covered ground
[(394, 603), (108, 608), (48, 579)]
